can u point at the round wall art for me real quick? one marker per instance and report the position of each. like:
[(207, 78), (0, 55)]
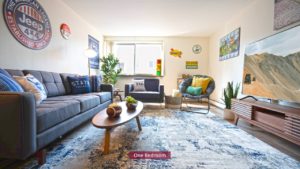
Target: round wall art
[(28, 23), (65, 31), (197, 49)]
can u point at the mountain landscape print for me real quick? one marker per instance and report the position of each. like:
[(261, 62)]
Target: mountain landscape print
[(272, 67)]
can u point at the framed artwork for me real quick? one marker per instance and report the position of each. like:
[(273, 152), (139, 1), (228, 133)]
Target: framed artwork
[(230, 45), (286, 12), (191, 64), (28, 22), (94, 44)]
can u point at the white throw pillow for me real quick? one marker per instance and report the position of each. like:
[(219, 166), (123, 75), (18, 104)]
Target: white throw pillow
[(139, 85), (33, 85)]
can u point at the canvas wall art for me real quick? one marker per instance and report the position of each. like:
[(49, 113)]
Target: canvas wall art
[(94, 44), (272, 67), (191, 64), (286, 12), (230, 45)]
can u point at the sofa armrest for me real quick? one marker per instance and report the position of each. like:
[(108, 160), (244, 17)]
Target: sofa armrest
[(128, 89), (17, 125), (162, 91), (107, 88)]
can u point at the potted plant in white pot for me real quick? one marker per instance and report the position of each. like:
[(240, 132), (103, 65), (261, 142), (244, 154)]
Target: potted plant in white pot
[(230, 92)]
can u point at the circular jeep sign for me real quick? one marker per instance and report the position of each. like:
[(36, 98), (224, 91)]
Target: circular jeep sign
[(28, 23)]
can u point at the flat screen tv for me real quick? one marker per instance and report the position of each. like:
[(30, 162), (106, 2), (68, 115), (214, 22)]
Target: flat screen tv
[(272, 67)]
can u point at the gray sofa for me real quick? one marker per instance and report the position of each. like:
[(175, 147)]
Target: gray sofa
[(26, 128)]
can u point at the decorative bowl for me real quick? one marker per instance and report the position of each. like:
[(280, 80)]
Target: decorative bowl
[(113, 111), (131, 106)]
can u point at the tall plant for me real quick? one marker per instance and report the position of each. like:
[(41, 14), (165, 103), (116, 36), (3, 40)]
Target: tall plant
[(109, 68), (230, 92)]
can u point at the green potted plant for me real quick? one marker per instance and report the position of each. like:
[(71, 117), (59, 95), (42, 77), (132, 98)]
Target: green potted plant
[(109, 69), (131, 103), (230, 92)]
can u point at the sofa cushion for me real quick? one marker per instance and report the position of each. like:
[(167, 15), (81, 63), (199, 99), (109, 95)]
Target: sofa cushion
[(64, 77), (14, 72), (50, 113), (104, 96), (86, 101), (95, 82), (52, 82), (152, 85), (145, 95)]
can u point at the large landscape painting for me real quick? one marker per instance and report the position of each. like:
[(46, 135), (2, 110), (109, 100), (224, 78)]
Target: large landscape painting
[(272, 67)]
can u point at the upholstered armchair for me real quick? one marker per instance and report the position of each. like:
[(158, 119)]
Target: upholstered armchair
[(154, 91), (188, 82)]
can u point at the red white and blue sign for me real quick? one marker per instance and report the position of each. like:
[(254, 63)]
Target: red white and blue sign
[(28, 23)]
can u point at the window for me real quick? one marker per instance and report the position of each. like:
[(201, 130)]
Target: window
[(138, 58)]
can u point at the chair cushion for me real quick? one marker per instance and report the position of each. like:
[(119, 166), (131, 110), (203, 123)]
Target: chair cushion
[(51, 81), (86, 101), (9, 84), (145, 95), (195, 91), (50, 113), (80, 84), (104, 96), (201, 82)]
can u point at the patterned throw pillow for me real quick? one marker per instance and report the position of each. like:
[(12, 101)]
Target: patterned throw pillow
[(80, 84), (139, 85), (95, 82), (33, 85), (9, 84)]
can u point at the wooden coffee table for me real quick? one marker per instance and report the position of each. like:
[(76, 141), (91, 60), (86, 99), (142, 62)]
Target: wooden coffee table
[(101, 120)]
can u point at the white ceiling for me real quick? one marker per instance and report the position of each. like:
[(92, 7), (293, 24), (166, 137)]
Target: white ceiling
[(157, 17)]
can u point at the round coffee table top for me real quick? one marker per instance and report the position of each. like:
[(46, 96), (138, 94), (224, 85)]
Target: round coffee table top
[(101, 119)]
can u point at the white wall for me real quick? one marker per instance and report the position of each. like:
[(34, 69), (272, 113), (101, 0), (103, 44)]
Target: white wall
[(174, 67), (256, 22), (60, 55)]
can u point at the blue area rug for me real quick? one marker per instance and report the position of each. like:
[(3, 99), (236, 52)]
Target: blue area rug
[(194, 140)]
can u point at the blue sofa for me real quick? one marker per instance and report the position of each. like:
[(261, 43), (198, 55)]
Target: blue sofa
[(26, 128)]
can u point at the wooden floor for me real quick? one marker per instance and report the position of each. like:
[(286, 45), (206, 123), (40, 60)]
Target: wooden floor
[(280, 144)]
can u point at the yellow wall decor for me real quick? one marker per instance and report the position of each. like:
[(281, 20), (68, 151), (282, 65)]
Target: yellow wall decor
[(191, 64), (175, 52)]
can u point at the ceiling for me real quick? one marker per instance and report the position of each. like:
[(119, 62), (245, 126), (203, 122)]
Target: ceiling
[(157, 17)]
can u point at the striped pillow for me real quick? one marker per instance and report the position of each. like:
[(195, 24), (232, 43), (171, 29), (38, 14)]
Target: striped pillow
[(8, 84)]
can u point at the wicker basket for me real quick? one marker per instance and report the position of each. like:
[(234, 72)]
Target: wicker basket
[(173, 102)]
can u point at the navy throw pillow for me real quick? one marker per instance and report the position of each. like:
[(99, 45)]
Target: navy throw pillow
[(79, 84), (9, 84), (95, 82)]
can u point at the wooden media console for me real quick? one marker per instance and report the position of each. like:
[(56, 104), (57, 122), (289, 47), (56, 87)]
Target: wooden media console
[(280, 120)]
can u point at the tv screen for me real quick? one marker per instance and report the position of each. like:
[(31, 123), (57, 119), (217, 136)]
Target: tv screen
[(272, 67)]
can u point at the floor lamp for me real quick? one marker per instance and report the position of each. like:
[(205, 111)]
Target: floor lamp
[(90, 53)]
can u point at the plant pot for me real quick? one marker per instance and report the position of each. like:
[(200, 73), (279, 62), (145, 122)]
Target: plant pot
[(131, 106), (228, 115)]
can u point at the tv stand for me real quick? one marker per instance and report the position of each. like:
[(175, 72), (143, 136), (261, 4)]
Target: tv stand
[(280, 120)]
